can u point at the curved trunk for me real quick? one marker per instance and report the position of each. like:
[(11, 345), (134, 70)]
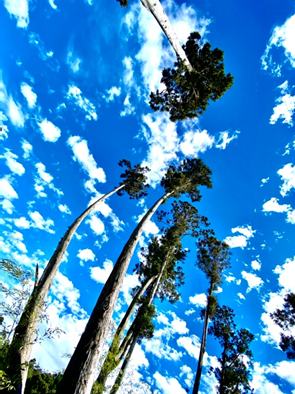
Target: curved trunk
[(110, 361), (155, 7), (78, 376), (203, 345), (25, 332)]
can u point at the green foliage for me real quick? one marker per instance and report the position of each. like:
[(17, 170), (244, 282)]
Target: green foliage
[(124, 3), (41, 382), (212, 257), (186, 178), (134, 179), (187, 94), (285, 319), (236, 361)]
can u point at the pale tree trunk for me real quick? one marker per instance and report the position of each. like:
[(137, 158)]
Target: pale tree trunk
[(155, 7), (25, 332), (203, 344), (79, 374), (113, 350), (133, 338)]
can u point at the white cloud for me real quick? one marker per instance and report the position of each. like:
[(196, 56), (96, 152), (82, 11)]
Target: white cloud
[(189, 312), (224, 139), (44, 179), (7, 206), (287, 174), (101, 275), (3, 127), (15, 113), (254, 282), (65, 209), (74, 95), (191, 345), (86, 255), (240, 241), (129, 109), (49, 131), (168, 385), (186, 370), (284, 109), (6, 189), (161, 136), (28, 93), (85, 158), (273, 206), (22, 222), (40, 223), (20, 10), (264, 181), (27, 148), (256, 265), (195, 142), (242, 297), (291, 217), (282, 36), (199, 300), (286, 274), (261, 384), (14, 239), (12, 163), (113, 92), (96, 225)]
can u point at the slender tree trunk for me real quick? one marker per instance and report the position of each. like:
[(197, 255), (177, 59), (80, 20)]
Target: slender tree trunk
[(203, 344), (24, 336), (134, 336), (78, 376), (124, 366), (155, 7), (110, 363)]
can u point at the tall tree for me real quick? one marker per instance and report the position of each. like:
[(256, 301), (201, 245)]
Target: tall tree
[(158, 269), (212, 259), (78, 376), (285, 319), (187, 91), (134, 184), (236, 361)]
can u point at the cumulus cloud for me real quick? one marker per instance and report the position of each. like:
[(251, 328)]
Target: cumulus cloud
[(86, 255), (85, 158), (19, 9), (96, 225), (50, 132), (273, 206), (254, 282), (286, 273), (75, 96), (282, 36), (255, 265), (199, 300), (39, 222), (162, 139), (65, 209), (195, 142), (101, 275), (27, 148), (6, 189), (241, 240), (287, 174), (3, 127), (191, 345), (284, 109), (168, 385), (28, 93), (12, 163), (73, 60)]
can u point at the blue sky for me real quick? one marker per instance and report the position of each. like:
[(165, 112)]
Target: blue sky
[(75, 78)]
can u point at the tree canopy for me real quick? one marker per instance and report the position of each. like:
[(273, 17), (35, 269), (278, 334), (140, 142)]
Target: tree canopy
[(285, 319), (187, 93)]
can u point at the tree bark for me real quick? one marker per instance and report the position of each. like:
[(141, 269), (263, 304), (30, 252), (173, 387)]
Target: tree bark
[(113, 350), (25, 332), (156, 9), (203, 344), (78, 376)]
